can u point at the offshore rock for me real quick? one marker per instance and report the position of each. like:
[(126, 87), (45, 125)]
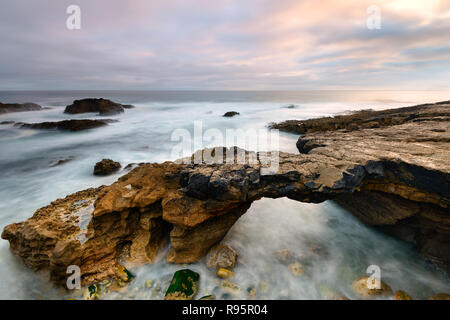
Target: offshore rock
[(104, 107), (19, 107)]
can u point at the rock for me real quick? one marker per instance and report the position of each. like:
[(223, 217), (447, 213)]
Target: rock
[(296, 269), (285, 256), (104, 107), (66, 125), (208, 297), (19, 107), (106, 167), (231, 114), (62, 161), (184, 285), (123, 274), (224, 273), (92, 292), (128, 106), (148, 283), (401, 295), (7, 122), (230, 287), (251, 292), (221, 256), (290, 106), (393, 177), (365, 119), (440, 296), (364, 290)]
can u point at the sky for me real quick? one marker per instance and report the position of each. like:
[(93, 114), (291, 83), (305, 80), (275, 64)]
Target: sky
[(225, 45)]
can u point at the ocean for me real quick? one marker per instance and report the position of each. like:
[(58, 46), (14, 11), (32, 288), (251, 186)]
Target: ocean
[(30, 178)]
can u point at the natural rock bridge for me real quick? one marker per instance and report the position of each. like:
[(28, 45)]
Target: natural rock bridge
[(397, 177)]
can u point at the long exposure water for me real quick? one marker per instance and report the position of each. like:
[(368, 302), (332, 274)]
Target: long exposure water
[(30, 179)]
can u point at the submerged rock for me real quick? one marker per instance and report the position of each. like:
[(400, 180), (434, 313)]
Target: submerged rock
[(296, 269), (104, 107), (285, 256), (401, 295), (230, 287), (106, 167), (231, 114), (19, 107), (66, 125), (365, 290), (221, 256), (184, 285)]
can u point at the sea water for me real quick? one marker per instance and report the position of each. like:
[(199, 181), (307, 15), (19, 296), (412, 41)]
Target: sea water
[(30, 178)]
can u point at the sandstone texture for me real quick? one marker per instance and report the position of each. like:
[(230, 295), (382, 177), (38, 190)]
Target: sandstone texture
[(104, 107), (395, 177), (19, 107)]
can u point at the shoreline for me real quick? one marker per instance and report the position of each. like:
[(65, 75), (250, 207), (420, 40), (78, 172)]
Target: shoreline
[(158, 195)]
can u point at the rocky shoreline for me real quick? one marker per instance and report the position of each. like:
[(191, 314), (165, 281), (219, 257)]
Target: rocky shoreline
[(393, 175)]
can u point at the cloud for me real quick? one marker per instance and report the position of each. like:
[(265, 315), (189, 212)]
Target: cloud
[(224, 44)]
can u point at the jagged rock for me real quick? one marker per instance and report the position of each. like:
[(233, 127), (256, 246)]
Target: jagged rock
[(231, 114), (401, 295), (403, 168), (365, 290), (106, 167), (19, 107), (221, 256), (67, 125), (104, 107), (184, 285)]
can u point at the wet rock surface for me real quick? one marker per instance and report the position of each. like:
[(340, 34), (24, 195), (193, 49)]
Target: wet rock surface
[(19, 107), (67, 125), (230, 114), (106, 167), (104, 107), (196, 204)]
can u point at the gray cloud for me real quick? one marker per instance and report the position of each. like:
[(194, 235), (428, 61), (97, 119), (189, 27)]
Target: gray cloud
[(221, 44)]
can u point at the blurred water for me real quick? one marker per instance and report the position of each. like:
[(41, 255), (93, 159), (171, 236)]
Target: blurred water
[(30, 179)]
